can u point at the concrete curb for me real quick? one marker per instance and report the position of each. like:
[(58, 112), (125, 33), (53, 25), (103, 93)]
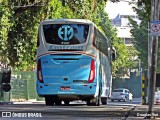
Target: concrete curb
[(30, 102), (6, 103), (22, 102)]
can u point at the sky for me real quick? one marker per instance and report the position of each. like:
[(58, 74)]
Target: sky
[(113, 9)]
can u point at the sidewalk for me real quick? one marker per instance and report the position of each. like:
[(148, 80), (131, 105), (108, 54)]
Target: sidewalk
[(140, 112), (22, 102), (30, 102)]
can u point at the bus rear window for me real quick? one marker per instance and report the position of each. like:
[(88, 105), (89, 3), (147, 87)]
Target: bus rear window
[(65, 34)]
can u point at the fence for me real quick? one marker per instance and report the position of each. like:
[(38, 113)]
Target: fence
[(134, 84), (23, 87)]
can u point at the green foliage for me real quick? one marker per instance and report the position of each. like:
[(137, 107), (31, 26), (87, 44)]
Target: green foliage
[(20, 21), (140, 33), (124, 58), (140, 41), (5, 26), (22, 39)]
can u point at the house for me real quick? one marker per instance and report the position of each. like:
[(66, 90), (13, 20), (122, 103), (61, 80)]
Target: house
[(122, 23), (118, 15)]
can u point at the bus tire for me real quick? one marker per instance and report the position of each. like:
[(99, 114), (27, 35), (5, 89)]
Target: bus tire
[(104, 100), (88, 102), (95, 101), (98, 101), (49, 100), (66, 102), (58, 102)]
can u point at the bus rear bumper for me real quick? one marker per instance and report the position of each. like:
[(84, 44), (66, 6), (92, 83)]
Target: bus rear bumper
[(53, 89)]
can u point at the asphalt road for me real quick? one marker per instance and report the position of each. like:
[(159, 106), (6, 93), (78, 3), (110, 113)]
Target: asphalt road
[(76, 110)]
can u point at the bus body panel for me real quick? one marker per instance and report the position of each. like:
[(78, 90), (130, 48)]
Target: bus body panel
[(65, 73), (75, 89), (104, 65), (69, 69), (44, 47)]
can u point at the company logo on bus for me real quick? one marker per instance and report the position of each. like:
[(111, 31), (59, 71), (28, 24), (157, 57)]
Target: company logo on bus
[(65, 32)]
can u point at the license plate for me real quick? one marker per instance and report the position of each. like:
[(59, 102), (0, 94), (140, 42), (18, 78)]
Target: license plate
[(65, 88)]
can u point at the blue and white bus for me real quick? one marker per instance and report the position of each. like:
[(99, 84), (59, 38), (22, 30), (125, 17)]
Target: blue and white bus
[(73, 62)]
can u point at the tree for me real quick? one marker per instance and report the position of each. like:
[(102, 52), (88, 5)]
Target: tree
[(23, 18), (140, 40), (6, 23), (140, 32), (18, 32), (94, 10)]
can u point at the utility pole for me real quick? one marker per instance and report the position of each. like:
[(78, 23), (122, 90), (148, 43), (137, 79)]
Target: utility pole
[(154, 50), (150, 41)]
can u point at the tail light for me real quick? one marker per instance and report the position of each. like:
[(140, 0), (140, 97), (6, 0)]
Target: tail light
[(39, 72), (121, 93), (92, 72)]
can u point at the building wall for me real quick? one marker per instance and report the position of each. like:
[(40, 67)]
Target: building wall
[(134, 84)]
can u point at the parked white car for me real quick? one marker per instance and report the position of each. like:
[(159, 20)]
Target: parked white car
[(121, 94), (157, 97)]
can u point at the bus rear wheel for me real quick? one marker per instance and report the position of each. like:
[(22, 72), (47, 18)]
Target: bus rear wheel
[(49, 100), (66, 102), (58, 102), (97, 101), (104, 100), (94, 101), (88, 102)]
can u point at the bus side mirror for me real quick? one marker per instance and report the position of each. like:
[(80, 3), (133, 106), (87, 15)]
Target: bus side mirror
[(113, 54)]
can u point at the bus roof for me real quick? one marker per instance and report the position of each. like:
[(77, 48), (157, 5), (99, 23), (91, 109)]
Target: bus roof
[(67, 20)]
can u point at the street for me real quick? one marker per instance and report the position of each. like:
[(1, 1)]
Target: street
[(31, 110), (76, 110)]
